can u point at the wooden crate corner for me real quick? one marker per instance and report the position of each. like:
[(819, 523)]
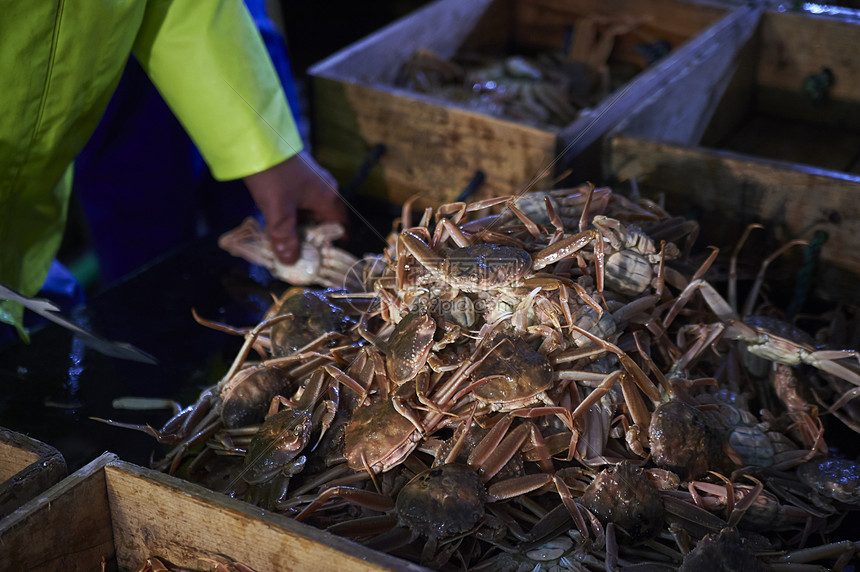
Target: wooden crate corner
[(118, 513), (27, 467)]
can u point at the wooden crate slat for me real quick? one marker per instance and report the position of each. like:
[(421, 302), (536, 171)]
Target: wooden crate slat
[(159, 515), (824, 146), (122, 514), (441, 27), (444, 144), (661, 105), (434, 147), (736, 190), (65, 529), (681, 108), (796, 45), (543, 22), (13, 459)]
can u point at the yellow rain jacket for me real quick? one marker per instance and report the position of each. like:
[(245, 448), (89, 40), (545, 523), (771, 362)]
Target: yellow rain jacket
[(60, 61)]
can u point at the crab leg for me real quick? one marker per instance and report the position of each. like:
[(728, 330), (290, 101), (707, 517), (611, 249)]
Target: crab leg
[(369, 499), (597, 393), (759, 279), (450, 229), (564, 248), (533, 228), (642, 380)]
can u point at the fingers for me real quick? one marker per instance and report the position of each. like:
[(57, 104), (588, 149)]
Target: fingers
[(298, 183), (281, 230)]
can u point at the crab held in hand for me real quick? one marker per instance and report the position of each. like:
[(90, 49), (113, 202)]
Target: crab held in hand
[(319, 261)]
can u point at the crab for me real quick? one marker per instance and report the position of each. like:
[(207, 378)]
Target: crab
[(450, 498), (488, 266), (275, 452), (319, 262), (765, 336)]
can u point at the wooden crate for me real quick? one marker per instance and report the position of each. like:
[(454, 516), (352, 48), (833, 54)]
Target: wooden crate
[(123, 514), (27, 467), (434, 147), (760, 107), (800, 177)]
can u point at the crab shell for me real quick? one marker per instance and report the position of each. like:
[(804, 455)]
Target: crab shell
[(442, 501), (475, 268), (513, 376)]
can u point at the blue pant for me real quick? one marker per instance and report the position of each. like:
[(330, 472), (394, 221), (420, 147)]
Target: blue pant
[(142, 183)]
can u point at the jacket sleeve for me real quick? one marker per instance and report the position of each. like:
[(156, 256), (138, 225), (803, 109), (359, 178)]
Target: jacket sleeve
[(210, 64)]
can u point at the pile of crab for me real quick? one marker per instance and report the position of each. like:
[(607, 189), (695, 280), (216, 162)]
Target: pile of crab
[(544, 89), (545, 381)]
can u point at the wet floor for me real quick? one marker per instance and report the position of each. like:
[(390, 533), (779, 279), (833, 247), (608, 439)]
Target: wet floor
[(50, 388)]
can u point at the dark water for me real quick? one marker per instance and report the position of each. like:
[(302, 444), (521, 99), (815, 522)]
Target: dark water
[(50, 388)]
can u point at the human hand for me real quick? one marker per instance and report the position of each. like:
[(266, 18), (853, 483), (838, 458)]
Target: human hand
[(299, 183)]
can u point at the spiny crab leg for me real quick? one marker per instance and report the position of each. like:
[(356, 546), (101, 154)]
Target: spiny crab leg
[(763, 342), (405, 214), (487, 203), (507, 448), (493, 452), (459, 437), (521, 485), (638, 410), (845, 398), (597, 393), (720, 307), (643, 351), (401, 249), (759, 279), (457, 210), (345, 379), (428, 257), (588, 299), (555, 220), (446, 392), (586, 208), (843, 551)]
